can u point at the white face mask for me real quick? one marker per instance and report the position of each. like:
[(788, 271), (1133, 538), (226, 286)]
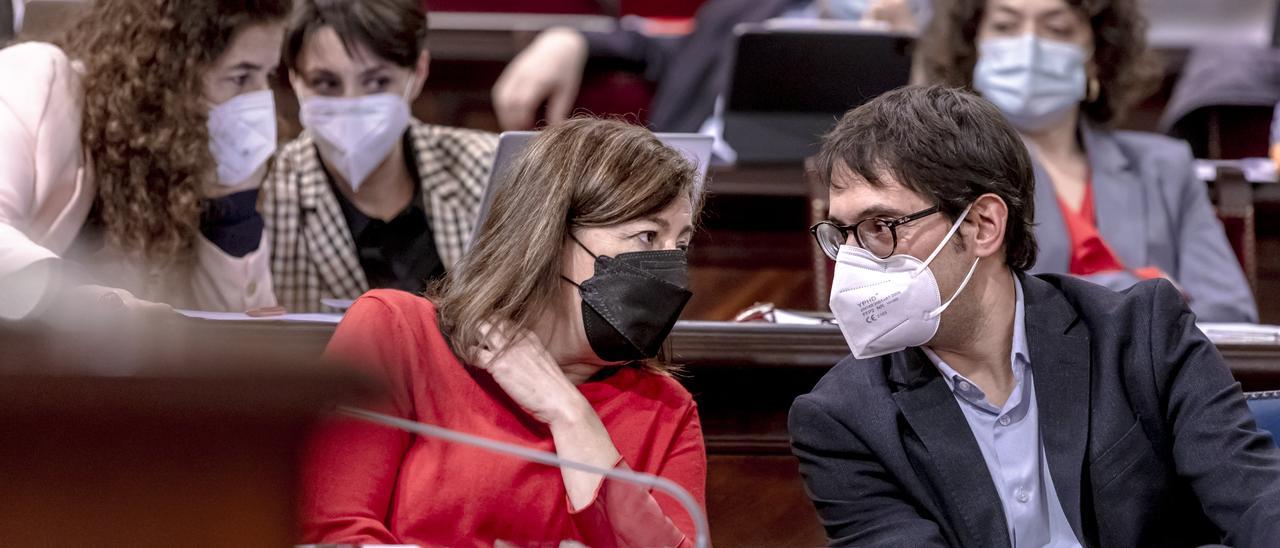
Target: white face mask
[(356, 134), (1034, 82), (888, 305), (242, 135)]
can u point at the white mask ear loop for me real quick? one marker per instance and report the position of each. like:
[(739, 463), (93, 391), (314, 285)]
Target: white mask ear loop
[(955, 227), (408, 86), (943, 308)]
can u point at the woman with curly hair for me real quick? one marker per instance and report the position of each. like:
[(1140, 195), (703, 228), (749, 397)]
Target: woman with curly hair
[(130, 159), (1115, 207)]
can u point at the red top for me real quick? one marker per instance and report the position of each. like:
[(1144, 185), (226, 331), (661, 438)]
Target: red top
[(1090, 254), (366, 483)]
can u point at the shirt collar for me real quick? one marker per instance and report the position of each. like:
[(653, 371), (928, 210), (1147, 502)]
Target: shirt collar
[(1019, 359), (1019, 349)]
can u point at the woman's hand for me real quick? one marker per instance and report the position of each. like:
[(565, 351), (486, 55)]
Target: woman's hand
[(524, 369), (93, 306), (897, 14), (531, 376)]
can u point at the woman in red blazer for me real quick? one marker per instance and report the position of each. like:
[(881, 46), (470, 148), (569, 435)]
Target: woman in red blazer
[(543, 335)]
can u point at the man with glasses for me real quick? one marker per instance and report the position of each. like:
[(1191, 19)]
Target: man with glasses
[(986, 407)]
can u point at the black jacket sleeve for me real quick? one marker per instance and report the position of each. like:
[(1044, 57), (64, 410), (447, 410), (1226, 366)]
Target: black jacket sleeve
[(857, 500), (1233, 468)]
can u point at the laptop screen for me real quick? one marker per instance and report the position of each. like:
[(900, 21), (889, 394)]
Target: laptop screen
[(695, 147)]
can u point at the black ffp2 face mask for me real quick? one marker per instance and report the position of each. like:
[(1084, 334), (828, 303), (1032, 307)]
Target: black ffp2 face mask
[(632, 301)]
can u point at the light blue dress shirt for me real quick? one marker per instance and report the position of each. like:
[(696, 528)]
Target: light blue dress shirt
[(1009, 438)]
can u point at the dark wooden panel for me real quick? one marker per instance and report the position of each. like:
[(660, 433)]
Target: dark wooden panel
[(157, 434), (759, 501), (744, 378)]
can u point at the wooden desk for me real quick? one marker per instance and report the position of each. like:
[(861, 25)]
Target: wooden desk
[(744, 378), (752, 243), (155, 436), (745, 375)]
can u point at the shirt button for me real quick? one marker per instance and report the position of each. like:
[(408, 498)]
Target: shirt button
[(1022, 495), (964, 386), (1004, 421)]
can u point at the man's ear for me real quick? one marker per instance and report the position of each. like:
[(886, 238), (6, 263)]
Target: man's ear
[(989, 217)]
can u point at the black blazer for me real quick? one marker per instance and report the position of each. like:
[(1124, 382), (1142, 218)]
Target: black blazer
[(1148, 437)]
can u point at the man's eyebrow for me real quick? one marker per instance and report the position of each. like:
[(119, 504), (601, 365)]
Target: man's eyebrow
[(878, 210), (245, 65)]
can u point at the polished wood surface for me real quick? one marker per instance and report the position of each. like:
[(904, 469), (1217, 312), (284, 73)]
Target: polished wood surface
[(752, 243), (156, 435), (744, 377)]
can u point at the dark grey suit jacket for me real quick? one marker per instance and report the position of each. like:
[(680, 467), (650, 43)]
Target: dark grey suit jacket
[(693, 70), (1148, 438), (1153, 211), (1224, 76)]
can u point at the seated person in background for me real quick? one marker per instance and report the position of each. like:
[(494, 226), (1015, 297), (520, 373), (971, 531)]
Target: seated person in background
[(10, 19), (1235, 83), (129, 154), (993, 407), (1115, 207), (691, 72), (542, 336), (367, 196)]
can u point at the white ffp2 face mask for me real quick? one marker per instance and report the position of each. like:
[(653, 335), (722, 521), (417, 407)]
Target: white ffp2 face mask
[(355, 134), (1033, 81), (888, 305), (242, 135)]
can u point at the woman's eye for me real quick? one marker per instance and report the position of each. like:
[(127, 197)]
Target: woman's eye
[(240, 79), (683, 246), (1004, 27), (321, 86), (1058, 30), (377, 84), (648, 237)]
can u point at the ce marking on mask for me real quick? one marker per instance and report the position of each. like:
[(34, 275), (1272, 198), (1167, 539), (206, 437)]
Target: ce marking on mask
[(873, 309)]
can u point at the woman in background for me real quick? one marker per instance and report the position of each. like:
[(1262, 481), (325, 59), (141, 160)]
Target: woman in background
[(367, 197), (130, 159), (1114, 207), (541, 336)]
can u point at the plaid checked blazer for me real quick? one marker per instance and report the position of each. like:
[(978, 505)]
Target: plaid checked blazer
[(313, 254)]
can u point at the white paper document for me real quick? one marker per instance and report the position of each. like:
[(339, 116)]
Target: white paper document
[(242, 317)]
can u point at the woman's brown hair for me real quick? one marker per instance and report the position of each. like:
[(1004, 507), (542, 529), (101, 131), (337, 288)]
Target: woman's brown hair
[(1127, 70), (145, 120), (582, 173)]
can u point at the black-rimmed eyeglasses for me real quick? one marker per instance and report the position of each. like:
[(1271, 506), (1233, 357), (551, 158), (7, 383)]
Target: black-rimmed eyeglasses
[(879, 235)]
